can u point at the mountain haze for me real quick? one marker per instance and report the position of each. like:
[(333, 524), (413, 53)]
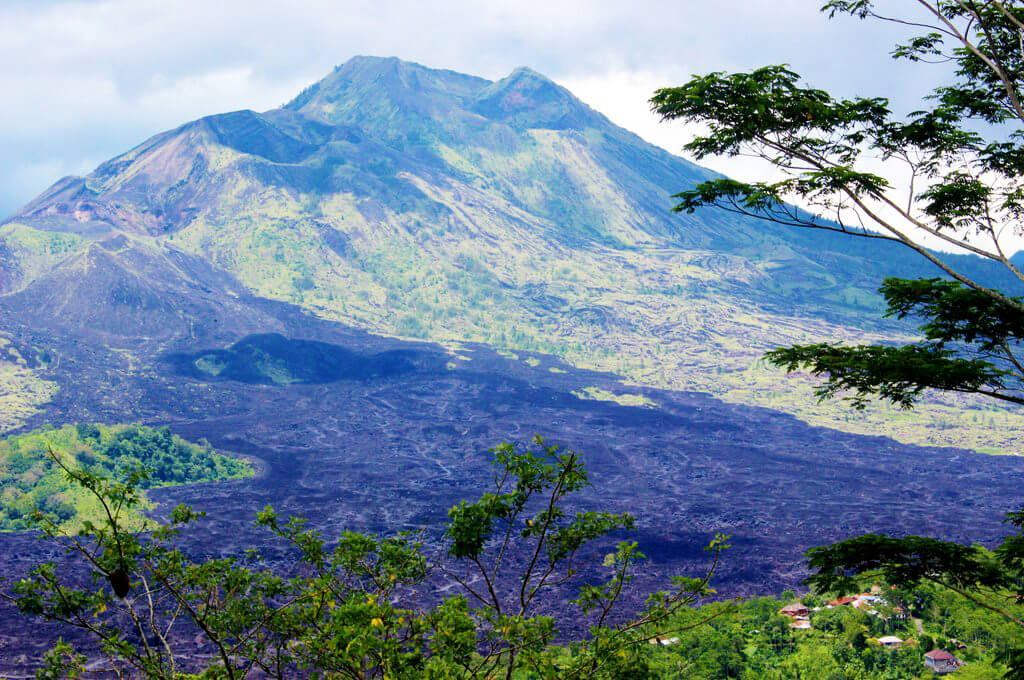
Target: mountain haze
[(430, 204)]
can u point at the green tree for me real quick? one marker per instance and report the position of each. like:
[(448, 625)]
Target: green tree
[(959, 180), (349, 609), (973, 192)]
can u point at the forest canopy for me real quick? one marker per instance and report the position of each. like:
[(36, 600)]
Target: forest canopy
[(35, 487)]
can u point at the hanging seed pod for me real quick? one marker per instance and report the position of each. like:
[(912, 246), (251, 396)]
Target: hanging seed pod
[(119, 582)]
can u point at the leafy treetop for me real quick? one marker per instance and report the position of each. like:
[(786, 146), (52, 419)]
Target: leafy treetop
[(33, 483), (955, 174), (351, 609)]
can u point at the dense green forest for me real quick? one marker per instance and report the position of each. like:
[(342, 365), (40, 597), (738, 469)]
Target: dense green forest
[(752, 639), (34, 484)]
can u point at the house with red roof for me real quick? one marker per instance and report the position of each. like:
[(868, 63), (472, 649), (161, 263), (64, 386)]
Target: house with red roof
[(840, 601), (941, 661)]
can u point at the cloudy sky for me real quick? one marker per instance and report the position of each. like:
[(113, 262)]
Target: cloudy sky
[(84, 80)]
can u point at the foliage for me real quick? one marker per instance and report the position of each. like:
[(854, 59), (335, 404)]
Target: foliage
[(991, 581), (35, 487), (972, 192), (956, 317), (22, 387), (351, 609), (961, 159), (752, 640)]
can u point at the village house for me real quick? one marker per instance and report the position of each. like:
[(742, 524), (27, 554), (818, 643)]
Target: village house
[(799, 613), (841, 601), (866, 600), (941, 661), (890, 641), (795, 610), (863, 601)]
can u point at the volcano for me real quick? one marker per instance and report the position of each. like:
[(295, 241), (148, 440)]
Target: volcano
[(368, 287)]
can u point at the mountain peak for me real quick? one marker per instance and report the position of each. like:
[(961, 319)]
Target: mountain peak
[(527, 99), (366, 85), (378, 91), (527, 72)]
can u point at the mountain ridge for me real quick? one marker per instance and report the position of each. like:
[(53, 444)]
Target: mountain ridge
[(430, 204)]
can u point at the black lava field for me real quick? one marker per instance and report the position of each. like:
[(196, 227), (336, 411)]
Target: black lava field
[(376, 434)]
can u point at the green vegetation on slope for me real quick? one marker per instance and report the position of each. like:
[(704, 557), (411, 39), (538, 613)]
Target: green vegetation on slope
[(33, 483), (22, 390), (596, 393), (753, 640), (37, 250), (661, 317)]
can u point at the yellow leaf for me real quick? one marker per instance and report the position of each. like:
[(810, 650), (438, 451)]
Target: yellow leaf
[(376, 623)]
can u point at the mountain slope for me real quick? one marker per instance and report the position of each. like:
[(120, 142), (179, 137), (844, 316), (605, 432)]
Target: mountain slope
[(431, 204)]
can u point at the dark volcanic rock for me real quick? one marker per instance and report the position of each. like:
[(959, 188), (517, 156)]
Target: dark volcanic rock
[(375, 434), (274, 359), (120, 292)]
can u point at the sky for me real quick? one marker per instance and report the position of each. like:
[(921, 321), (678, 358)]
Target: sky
[(84, 80)]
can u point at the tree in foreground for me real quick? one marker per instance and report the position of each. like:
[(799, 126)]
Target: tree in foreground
[(351, 609), (953, 174)]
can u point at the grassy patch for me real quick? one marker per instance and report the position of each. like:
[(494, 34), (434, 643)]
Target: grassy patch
[(22, 393), (598, 394), (942, 419), (38, 250), (210, 365), (33, 484)]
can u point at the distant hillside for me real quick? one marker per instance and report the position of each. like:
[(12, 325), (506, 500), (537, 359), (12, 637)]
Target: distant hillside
[(435, 205)]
